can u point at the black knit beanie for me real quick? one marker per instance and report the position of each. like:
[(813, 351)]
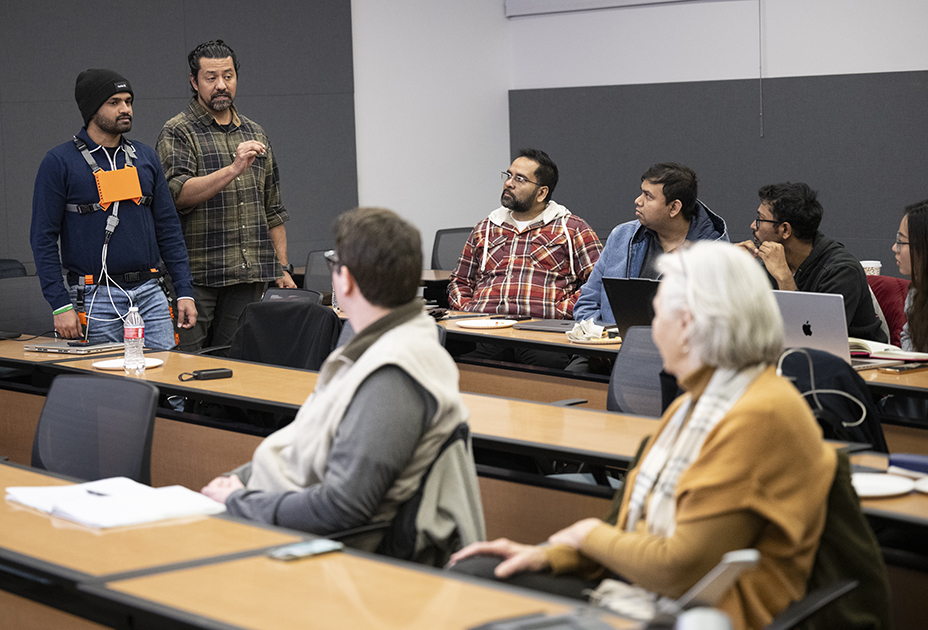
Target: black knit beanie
[(94, 86)]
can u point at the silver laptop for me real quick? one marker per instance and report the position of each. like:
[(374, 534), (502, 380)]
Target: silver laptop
[(547, 325), (818, 321), (64, 347)]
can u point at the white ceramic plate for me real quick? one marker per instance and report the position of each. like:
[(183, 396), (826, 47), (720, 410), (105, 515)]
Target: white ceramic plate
[(117, 364), (922, 485), (485, 323), (875, 485)]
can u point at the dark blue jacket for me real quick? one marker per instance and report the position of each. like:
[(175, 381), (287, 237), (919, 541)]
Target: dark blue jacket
[(145, 234), (624, 254)]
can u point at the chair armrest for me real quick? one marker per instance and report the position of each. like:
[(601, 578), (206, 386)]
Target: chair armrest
[(212, 349), (356, 531)]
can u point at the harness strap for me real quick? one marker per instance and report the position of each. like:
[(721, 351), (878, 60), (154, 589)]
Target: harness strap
[(87, 208), (127, 148)]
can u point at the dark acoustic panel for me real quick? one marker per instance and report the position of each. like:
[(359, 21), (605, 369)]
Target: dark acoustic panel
[(296, 80), (859, 140)]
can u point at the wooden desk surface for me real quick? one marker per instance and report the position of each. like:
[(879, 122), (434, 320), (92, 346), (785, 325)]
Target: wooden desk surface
[(91, 552), (11, 350), (912, 507), (607, 435), (914, 383), (435, 275), (334, 591), (553, 341), (250, 381), (567, 429)]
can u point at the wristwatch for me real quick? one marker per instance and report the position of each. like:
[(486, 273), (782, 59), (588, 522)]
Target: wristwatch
[(288, 268)]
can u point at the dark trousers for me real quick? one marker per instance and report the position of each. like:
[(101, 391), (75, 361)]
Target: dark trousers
[(218, 313)]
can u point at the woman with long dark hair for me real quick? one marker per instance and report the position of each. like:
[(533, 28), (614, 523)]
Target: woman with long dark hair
[(911, 249)]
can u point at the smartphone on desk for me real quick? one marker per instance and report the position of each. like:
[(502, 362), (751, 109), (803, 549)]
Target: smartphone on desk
[(305, 549), (905, 368)]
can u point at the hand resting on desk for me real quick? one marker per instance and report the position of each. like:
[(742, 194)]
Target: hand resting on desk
[(221, 487)]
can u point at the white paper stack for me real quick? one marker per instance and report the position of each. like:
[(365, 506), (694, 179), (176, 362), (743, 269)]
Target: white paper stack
[(114, 502)]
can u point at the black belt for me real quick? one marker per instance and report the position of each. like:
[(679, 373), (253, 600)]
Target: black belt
[(131, 279)]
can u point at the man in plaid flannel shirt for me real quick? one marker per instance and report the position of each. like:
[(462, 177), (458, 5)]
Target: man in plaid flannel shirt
[(529, 257), (223, 176)]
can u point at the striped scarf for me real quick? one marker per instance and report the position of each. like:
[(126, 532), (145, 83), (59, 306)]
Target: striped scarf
[(677, 447)]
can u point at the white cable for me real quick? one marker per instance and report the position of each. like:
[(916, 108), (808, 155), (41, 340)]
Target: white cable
[(814, 392), (105, 275)]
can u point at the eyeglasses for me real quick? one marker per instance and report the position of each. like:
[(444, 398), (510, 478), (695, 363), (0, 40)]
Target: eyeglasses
[(898, 242), (519, 179), (331, 259), (759, 220)]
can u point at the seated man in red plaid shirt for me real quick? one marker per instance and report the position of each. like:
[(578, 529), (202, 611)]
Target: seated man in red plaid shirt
[(530, 257)]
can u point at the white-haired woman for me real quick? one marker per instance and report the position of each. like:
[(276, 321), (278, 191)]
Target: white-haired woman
[(736, 462)]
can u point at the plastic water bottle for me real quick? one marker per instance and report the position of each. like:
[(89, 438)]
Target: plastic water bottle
[(133, 334)]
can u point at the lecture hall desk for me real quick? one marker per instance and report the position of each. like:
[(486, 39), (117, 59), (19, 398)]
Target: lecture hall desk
[(211, 572), (191, 453), (523, 383), (908, 437)]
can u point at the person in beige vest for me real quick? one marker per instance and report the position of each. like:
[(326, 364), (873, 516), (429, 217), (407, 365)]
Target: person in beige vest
[(384, 404)]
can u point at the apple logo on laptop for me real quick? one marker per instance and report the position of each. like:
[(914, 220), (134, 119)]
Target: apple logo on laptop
[(807, 329)]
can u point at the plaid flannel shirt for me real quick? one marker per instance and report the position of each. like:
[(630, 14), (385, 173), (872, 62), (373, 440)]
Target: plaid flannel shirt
[(227, 236), (536, 272)]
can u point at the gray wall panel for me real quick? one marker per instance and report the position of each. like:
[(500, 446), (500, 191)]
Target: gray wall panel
[(857, 139), (296, 81)]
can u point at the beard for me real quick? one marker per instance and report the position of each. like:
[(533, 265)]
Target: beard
[(115, 126), (509, 200), (220, 106)]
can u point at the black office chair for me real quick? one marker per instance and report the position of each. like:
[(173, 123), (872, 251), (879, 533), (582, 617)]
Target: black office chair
[(436, 521), (11, 268), (23, 308), (276, 293), (448, 246), (837, 394), (95, 427), (288, 333), (635, 386), (317, 276)]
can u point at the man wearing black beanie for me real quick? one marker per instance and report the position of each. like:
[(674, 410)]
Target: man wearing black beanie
[(113, 235)]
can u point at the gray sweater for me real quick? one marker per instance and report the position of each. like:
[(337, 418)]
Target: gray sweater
[(375, 440)]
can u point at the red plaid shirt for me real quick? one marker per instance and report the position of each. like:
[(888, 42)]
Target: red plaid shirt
[(536, 272)]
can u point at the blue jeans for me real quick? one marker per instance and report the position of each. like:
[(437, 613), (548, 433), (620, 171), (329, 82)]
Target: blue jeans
[(105, 323)]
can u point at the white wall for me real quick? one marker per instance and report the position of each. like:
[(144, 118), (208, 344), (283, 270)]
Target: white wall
[(431, 108), (704, 41), (432, 76)]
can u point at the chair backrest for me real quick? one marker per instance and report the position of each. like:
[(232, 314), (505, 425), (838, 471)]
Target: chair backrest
[(848, 550), (849, 415), (445, 514), (276, 293), (448, 246), (635, 384), (317, 276), (11, 268), (890, 293), (288, 333), (23, 308), (95, 427)]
